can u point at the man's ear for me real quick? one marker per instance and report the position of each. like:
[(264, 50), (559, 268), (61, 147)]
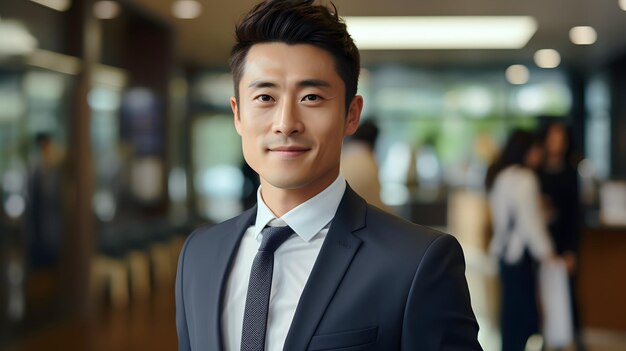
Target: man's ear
[(236, 116), (354, 115)]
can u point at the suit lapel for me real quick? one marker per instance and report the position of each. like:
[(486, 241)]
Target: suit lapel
[(226, 251), (333, 261)]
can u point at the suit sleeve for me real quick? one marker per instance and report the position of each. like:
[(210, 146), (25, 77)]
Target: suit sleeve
[(438, 312), (181, 317)]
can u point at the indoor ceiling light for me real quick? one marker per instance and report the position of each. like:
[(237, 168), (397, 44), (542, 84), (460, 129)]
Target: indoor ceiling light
[(517, 74), (583, 35), (59, 5), (106, 9), (622, 4), (389, 33), (186, 9), (547, 58), (53, 61)]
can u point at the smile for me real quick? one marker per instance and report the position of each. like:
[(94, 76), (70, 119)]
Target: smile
[(289, 151)]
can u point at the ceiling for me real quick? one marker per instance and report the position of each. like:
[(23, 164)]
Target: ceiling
[(206, 40)]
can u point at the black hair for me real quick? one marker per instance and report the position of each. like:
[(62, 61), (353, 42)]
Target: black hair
[(546, 122), (367, 132), (297, 22), (513, 153)]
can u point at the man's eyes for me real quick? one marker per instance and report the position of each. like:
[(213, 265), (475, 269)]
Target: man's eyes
[(311, 98), (264, 98), (306, 98)]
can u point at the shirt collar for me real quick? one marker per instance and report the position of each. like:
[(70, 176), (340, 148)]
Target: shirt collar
[(308, 218)]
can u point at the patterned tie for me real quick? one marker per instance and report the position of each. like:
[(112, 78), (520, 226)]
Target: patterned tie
[(257, 301)]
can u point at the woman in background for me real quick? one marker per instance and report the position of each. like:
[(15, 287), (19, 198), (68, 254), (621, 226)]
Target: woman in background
[(559, 184), (520, 237)]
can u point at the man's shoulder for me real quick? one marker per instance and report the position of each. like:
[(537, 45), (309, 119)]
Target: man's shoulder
[(214, 231), (397, 231), (401, 246)]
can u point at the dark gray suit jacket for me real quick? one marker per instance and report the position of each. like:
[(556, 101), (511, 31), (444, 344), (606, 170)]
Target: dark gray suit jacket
[(379, 283)]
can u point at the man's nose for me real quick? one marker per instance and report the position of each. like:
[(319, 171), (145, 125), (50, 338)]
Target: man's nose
[(288, 120)]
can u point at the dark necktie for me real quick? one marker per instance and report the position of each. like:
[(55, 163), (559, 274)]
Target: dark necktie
[(257, 301)]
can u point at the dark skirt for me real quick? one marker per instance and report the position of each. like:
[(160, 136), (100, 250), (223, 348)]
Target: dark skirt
[(519, 313)]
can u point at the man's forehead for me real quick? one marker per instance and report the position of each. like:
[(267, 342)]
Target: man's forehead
[(303, 83), (299, 62)]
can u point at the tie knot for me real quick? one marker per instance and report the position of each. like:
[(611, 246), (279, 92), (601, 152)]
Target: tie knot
[(273, 237)]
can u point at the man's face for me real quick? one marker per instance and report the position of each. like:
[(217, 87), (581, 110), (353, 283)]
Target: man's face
[(291, 116)]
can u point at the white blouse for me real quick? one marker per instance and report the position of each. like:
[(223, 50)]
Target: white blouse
[(517, 217)]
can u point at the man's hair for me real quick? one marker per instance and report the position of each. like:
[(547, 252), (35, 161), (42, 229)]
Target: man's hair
[(297, 22)]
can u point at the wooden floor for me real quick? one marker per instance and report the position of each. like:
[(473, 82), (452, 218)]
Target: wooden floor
[(150, 325), (143, 326)]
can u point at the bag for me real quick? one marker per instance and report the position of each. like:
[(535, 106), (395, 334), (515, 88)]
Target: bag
[(555, 299)]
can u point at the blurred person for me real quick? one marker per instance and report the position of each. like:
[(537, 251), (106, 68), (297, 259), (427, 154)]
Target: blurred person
[(352, 276), (559, 184), (520, 239), (44, 204), (359, 165), (428, 166)]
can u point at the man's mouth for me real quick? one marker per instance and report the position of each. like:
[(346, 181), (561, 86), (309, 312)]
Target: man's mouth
[(289, 151)]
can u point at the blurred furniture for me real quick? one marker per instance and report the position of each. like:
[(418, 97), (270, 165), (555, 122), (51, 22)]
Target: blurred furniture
[(135, 258), (110, 275), (122, 265), (601, 282)]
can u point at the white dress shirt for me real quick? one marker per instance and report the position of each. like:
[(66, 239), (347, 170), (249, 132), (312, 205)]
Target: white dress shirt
[(293, 262), (515, 194)]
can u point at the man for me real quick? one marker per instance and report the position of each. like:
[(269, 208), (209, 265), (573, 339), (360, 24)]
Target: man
[(351, 277), (359, 166)]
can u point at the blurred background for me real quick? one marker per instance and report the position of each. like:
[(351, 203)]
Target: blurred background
[(116, 140)]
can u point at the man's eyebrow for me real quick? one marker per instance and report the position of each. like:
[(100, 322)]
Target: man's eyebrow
[(261, 84), (316, 83)]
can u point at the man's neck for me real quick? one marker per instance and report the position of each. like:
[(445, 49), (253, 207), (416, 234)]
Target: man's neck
[(280, 201)]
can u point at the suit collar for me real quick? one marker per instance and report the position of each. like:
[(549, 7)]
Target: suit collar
[(333, 261)]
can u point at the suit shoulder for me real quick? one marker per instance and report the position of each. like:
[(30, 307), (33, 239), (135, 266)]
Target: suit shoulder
[(402, 239), (401, 246), (399, 227), (213, 231)]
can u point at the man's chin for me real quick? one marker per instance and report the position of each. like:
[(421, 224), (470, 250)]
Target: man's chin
[(287, 184)]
